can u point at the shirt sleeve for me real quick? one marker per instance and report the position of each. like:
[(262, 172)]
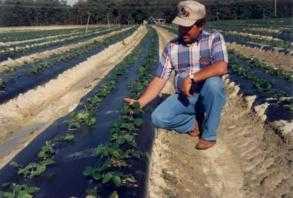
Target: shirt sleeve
[(219, 49), (164, 67)]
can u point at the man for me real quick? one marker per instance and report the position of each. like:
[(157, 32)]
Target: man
[(199, 59)]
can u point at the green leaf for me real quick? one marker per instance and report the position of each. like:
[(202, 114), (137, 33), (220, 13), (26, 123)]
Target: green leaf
[(107, 177), (138, 122), (116, 180), (68, 137)]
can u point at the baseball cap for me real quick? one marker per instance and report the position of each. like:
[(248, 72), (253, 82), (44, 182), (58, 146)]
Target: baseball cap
[(189, 12)]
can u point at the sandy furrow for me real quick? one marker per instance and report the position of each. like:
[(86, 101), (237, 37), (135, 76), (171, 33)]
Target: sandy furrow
[(249, 160), (279, 60), (263, 154), (23, 118), (10, 64)]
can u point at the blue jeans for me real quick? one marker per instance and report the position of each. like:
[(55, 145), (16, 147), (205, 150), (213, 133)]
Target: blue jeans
[(178, 112)]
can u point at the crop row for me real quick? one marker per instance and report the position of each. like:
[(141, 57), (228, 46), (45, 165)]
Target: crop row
[(263, 23), (82, 117), (257, 36), (26, 35), (287, 75), (262, 32), (11, 64), (18, 52), (18, 44), (243, 38), (244, 68), (117, 158), (33, 74)]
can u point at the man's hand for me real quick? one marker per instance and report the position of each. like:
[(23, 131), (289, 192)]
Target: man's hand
[(130, 101), (153, 89), (186, 86)]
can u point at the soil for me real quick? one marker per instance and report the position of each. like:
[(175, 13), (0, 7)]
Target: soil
[(249, 159)]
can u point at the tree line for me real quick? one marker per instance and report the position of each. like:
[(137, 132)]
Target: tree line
[(47, 12)]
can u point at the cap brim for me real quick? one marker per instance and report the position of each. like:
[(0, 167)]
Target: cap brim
[(183, 22)]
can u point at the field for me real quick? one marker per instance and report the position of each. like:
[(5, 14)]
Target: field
[(66, 132)]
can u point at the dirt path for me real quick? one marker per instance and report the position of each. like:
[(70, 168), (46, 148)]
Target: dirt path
[(249, 160), (26, 116)]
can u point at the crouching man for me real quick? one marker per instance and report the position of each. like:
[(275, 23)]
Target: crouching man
[(199, 59)]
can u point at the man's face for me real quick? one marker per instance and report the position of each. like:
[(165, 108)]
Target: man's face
[(189, 34)]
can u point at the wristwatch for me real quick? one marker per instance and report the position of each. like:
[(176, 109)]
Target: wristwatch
[(191, 76)]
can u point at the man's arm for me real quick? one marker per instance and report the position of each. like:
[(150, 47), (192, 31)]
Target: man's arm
[(162, 75), (151, 92), (217, 69)]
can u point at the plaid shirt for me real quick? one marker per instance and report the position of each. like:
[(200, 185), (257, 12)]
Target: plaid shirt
[(186, 60)]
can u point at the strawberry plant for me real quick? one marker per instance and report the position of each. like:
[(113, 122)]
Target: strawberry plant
[(45, 158), (84, 117), (18, 191)]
